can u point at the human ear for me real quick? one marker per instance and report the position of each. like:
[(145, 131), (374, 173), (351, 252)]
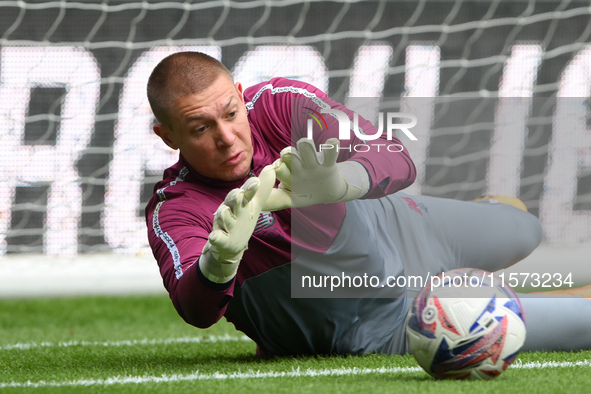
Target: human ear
[(238, 86), (165, 135)]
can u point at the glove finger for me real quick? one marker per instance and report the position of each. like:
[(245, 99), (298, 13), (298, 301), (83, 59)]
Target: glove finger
[(294, 161), (287, 154), (308, 153), (264, 187), (232, 198), (249, 189), (331, 154), (282, 172), (219, 241), (224, 219)]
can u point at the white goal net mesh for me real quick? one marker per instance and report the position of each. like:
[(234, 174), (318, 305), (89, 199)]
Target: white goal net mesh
[(501, 89)]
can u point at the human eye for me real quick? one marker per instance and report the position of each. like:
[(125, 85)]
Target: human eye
[(200, 129), (232, 114)]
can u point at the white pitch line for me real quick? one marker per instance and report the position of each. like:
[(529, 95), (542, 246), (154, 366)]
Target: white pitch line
[(550, 364), (296, 373), (134, 342)]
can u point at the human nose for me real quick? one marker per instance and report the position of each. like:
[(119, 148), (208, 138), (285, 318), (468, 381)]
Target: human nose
[(226, 135)]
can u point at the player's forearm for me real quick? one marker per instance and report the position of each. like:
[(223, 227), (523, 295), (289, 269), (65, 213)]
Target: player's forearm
[(199, 301), (203, 295), (388, 171)]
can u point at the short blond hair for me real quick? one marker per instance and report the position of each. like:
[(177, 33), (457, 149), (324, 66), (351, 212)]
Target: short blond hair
[(178, 75)]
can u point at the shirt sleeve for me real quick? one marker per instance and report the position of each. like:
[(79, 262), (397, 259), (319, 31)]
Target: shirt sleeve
[(177, 234), (387, 161)]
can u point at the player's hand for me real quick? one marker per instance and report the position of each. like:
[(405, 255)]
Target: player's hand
[(233, 224), (308, 177)]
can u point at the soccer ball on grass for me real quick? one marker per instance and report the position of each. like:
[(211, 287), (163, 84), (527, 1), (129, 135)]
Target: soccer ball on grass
[(465, 323)]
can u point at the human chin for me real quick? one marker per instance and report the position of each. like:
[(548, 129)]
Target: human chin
[(236, 173), (237, 170)]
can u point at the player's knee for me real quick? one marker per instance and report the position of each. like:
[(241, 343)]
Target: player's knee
[(528, 234)]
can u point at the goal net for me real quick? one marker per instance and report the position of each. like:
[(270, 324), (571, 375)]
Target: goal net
[(500, 90)]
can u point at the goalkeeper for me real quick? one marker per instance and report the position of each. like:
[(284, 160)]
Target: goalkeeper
[(253, 206)]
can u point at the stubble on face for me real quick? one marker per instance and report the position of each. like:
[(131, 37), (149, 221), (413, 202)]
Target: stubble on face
[(211, 130)]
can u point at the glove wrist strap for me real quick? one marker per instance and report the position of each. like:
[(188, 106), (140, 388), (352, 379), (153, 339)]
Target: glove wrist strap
[(216, 270)]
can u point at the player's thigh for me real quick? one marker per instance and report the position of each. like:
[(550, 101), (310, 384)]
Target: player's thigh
[(485, 235), (455, 234)]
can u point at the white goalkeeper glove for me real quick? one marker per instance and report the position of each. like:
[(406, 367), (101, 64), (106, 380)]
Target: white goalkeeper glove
[(309, 177), (233, 224)]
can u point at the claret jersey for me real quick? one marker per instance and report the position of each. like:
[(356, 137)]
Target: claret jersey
[(258, 300)]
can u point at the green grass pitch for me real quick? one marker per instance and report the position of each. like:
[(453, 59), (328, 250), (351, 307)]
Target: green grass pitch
[(140, 345)]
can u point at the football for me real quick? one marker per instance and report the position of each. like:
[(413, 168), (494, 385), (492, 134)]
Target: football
[(465, 324)]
